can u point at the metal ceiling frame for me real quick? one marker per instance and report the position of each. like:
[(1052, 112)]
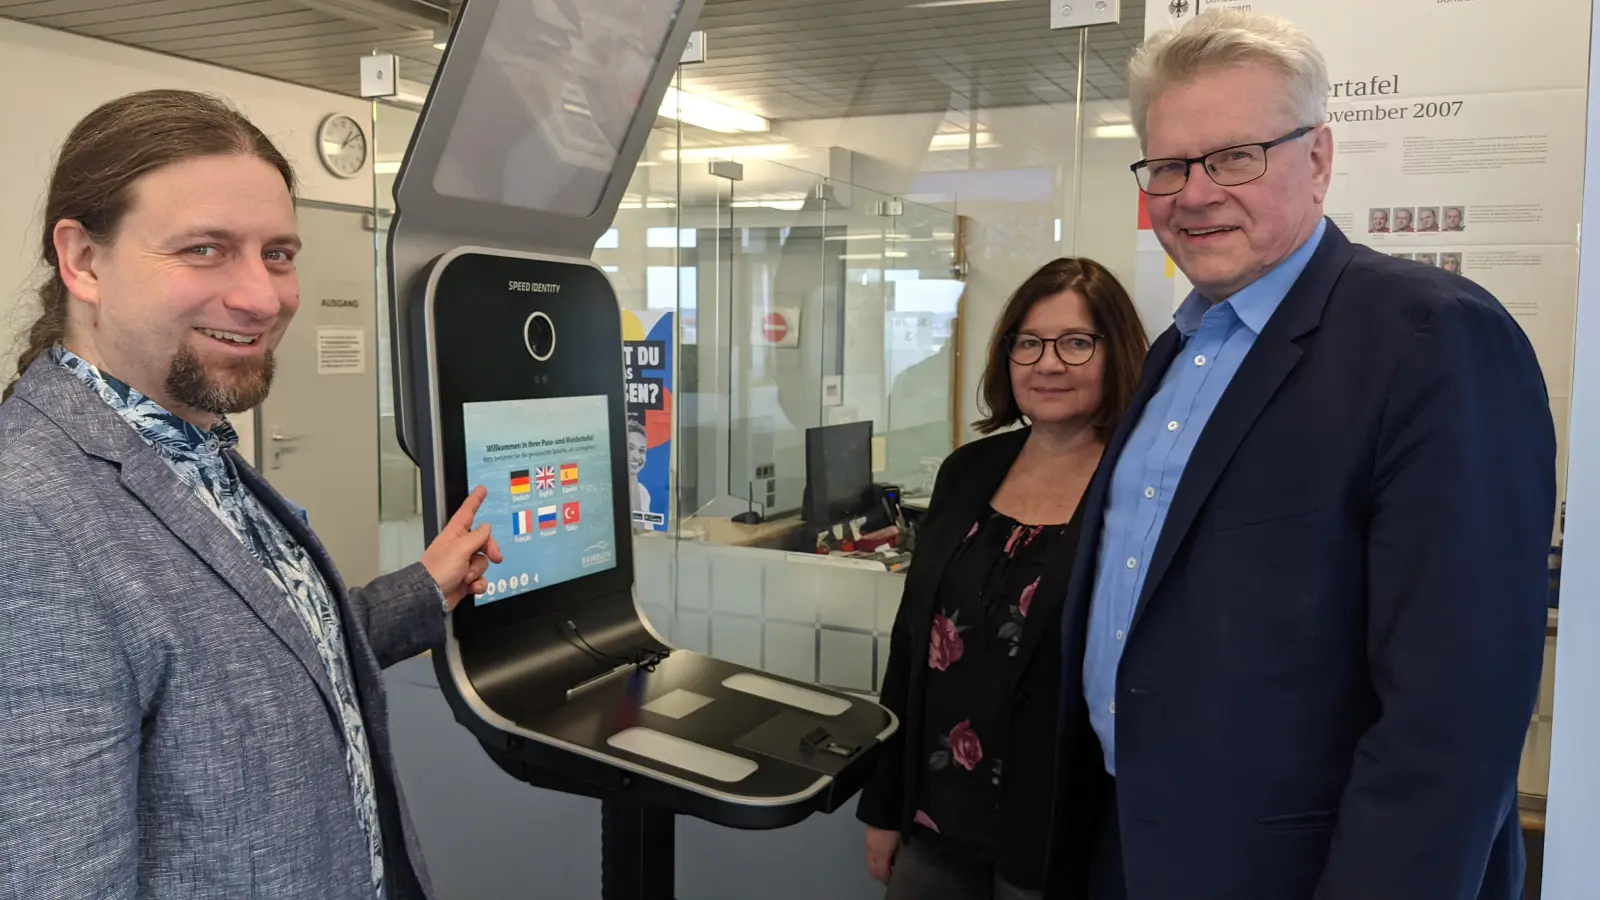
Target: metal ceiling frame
[(819, 59), (418, 14)]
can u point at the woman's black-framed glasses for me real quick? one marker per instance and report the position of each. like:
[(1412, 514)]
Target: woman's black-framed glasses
[(1073, 349), (1229, 167)]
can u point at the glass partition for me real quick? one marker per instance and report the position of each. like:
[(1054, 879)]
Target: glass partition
[(783, 335), (923, 294), (704, 223), (400, 538), (652, 264), (817, 303), (812, 285)]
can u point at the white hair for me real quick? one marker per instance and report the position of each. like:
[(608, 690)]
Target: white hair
[(1223, 39)]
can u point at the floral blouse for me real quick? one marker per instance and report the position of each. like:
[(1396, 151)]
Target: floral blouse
[(974, 649), (200, 459)]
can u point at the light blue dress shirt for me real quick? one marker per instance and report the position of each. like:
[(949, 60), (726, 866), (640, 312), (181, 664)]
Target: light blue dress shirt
[(1214, 341)]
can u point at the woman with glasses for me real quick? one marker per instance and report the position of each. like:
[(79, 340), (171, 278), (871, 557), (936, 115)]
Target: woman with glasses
[(960, 804)]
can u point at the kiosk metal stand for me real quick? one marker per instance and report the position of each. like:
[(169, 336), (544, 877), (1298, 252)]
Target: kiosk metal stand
[(637, 840), (509, 376), (636, 852)]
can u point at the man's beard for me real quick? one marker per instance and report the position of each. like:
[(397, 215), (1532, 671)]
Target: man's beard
[(190, 384)]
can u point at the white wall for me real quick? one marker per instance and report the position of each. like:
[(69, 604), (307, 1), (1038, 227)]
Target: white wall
[(1573, 811), (49, 80)]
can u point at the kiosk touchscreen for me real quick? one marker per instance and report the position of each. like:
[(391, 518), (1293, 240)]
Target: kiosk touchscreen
[(549, 462), (509, 376)]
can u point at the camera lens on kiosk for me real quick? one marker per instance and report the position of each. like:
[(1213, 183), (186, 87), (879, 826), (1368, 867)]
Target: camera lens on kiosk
[(539, 333)]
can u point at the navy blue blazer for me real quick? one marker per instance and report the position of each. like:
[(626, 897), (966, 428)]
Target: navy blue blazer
[(1334, 660)]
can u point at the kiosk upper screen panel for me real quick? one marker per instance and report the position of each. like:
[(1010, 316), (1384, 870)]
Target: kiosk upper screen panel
[(549, 101), (547, 466)]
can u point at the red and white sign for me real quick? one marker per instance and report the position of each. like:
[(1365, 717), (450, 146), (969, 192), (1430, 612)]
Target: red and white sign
[(776, 327)]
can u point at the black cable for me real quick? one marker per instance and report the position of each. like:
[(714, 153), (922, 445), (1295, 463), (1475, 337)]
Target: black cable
[(644, 659), (649, 659), (591, 648)]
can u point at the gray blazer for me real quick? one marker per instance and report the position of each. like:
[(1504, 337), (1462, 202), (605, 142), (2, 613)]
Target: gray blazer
[(165, 720)]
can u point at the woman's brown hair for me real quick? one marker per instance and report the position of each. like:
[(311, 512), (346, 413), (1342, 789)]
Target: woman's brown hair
[(106, 153), (1124, 342)]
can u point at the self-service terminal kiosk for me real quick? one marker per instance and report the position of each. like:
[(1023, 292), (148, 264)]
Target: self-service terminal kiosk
[(509, 375)]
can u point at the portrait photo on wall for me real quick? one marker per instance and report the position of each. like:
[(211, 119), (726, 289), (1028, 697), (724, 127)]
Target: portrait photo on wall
[(1377, 221), (1431, 259), (1450, 262), (1427, 219), (1402, 220), (1455, 218)]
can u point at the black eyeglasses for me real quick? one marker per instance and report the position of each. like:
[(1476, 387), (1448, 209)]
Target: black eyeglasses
[(1229, 167), (1073, 349)]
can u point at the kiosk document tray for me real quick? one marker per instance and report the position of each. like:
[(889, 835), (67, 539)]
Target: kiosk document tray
[(707, 738)]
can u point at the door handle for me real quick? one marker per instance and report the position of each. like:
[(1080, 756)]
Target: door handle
[(279, 439)]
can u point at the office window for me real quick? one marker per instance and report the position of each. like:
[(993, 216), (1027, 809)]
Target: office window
[(608, 241), (669, 287), (668, 238)]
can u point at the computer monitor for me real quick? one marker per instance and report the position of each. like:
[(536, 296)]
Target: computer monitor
[(838, 471)]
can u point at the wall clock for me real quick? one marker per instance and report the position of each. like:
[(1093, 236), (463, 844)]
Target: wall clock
[(342, 145)]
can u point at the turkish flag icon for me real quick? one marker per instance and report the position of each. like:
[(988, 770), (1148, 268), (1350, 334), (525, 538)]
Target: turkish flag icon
[(569, 513)]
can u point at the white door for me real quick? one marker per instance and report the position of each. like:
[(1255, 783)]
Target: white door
[(318, 430)]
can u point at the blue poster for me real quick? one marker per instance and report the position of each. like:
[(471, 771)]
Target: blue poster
[(647, 355)]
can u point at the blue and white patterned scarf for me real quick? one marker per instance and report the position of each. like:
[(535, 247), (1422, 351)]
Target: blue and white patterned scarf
[(200, 459)]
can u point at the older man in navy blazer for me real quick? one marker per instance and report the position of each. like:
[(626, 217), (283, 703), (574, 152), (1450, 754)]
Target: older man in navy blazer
[(1306, 637)]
